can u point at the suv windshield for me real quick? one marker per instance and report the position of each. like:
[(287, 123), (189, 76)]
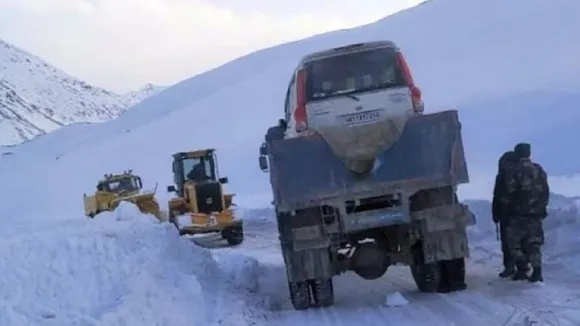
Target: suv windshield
[(353, 73), (121, 185)]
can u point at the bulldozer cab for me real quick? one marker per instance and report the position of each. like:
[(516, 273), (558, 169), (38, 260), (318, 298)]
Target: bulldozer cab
[(125, 183), (196, 167)]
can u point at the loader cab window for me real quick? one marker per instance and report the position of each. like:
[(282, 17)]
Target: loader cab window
[(353, 73), (199, 169), (120, 185)]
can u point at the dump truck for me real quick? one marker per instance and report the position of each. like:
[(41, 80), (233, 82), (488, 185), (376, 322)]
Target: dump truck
[(114, 188), (201, 206), (362, 179)]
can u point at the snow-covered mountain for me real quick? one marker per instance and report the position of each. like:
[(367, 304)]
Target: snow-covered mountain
[(37, 98), (489, 69), (142, 93)]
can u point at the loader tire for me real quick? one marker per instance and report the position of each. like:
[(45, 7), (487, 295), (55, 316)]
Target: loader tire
[(322, 292), (92, 215), (233, 235), (300, 295)]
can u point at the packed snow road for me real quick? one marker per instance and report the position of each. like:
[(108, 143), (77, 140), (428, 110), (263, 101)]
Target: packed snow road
[(125, 268), (488, 301)]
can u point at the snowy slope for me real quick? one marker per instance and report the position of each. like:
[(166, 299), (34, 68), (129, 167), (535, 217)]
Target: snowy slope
[(36, 98), (494, 60)]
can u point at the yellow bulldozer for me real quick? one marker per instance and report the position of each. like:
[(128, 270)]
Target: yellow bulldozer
[(200, 205), (114, 188)]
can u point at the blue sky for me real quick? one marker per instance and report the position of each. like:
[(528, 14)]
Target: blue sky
[(122, 44)]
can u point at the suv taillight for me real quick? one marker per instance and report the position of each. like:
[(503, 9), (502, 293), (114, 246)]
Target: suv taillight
[(416, 96), (300, 112)]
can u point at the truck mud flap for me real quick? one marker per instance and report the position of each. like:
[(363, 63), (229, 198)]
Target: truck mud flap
[(304, 172), (446, 245)]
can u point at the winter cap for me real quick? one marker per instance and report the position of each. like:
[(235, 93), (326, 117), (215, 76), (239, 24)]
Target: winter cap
[(523, 150), (507, 158)]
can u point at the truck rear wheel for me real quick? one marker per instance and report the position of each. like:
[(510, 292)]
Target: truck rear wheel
[(322, 292), (427, 276), (300, 295), (439, 275)]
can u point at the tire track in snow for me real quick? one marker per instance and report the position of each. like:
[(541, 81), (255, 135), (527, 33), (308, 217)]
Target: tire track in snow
[(487, 301)]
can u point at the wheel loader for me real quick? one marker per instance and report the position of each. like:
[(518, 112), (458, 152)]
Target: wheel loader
[(114, 188), (362, 179), (201, 206)]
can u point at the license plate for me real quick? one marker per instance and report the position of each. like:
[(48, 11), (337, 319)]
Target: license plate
[(360, 118)]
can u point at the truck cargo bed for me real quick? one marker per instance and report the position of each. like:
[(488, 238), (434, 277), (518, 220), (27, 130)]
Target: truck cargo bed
[(305, 172)]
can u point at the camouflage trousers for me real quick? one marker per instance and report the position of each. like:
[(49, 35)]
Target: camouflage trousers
[(525, 237)]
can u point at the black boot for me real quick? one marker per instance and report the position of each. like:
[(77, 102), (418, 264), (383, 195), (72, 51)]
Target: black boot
[(536, 275), (521, 272), (508, 265), (507, 272)]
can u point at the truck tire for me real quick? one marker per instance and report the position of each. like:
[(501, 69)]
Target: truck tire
[(322, 292), (300, 295), (427, 276)]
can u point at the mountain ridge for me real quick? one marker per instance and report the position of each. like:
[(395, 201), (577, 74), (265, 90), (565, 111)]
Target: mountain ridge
[(37, 98)]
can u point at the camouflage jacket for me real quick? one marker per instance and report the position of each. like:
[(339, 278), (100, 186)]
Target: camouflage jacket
[(526, 190)]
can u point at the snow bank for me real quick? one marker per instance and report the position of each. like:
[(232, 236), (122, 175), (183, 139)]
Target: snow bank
[(243, 271), (119, 269)]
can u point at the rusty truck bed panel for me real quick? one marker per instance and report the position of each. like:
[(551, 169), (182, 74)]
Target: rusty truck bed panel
[(305, 172)]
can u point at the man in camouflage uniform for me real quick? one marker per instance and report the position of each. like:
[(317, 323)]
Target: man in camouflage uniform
[(527, 196), (500, 212)]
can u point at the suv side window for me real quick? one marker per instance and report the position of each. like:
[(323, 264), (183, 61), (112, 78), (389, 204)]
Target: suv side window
[(287, 109)]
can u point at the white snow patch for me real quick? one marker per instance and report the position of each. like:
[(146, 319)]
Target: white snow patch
[(244, 271), (396, 299), (184, 220)]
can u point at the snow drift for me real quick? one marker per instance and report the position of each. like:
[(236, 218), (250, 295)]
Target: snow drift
[(123, 268)]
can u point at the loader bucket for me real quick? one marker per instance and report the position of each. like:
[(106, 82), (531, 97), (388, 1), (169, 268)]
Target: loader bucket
[(147, 204)]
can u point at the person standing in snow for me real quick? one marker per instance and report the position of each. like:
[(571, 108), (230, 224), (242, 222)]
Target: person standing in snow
[(527, 196), (500, 212)]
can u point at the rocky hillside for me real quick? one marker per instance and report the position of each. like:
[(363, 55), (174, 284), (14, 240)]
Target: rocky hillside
[(37, 98), (142, 93)]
